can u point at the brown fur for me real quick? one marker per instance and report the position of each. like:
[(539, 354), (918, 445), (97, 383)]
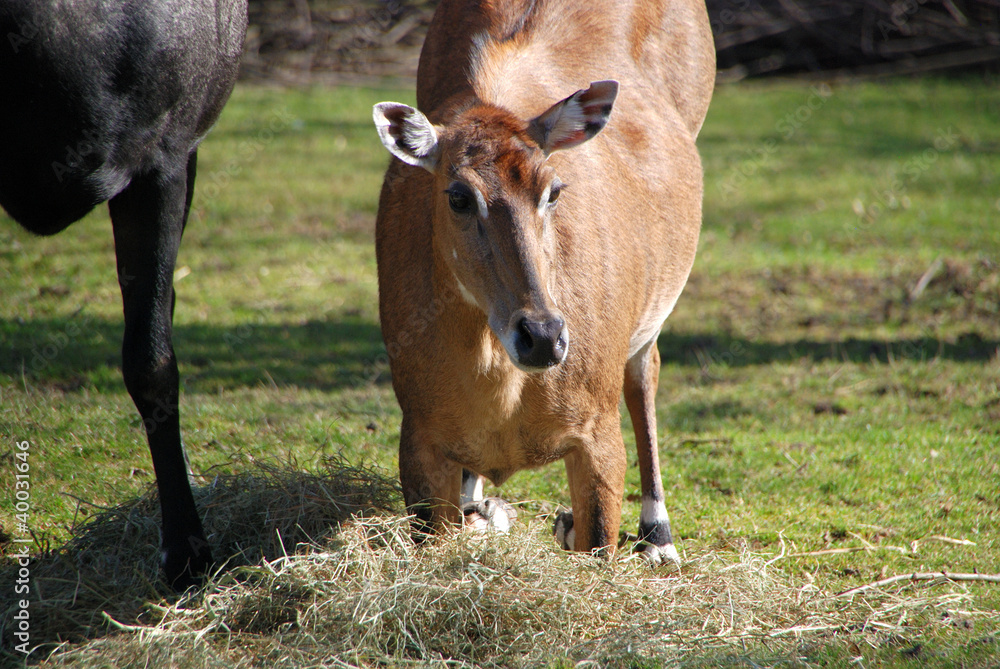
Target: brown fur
[(612, 259)]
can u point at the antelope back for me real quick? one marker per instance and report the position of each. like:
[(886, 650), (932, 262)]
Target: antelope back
[(502, 50)]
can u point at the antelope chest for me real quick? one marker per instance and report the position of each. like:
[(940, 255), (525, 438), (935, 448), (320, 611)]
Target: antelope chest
[(505, 421)]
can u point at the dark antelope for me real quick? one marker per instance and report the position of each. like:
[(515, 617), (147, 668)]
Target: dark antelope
[(529, 252), (103, 100)]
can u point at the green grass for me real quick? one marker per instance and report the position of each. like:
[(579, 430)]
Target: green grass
[(806, 398)]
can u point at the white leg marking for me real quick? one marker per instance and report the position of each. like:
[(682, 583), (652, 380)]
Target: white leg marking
[(472, 489), (499, 513), (653, 515), (657, 555), (653, 512), (565, 538), (489, 515)]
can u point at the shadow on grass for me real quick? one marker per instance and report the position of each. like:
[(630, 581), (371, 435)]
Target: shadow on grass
[(108, 571), (708, 350), (69, 353)]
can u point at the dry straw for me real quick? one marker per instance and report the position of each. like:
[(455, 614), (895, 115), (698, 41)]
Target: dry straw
[(365, 595)]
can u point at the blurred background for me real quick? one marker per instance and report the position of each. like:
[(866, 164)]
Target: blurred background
[(302, 40)]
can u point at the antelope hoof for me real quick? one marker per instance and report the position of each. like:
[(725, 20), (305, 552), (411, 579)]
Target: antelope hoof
[(659, 555), (489, 515), (185, 565), (563, 530)]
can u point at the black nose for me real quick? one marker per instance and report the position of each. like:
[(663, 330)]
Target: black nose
[(540, 343)]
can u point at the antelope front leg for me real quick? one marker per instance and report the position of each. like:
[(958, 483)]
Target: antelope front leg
[(431, 483), (596, 483), (148, 219), (641, 378)]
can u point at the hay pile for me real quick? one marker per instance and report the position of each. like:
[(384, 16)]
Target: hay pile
[(112, 562), (365, 595)]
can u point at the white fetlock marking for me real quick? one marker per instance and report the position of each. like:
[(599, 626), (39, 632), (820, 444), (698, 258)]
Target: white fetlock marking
[(489, 515), (653, 512), (565, 539), (497, 516), (476, 524), (658, 555)]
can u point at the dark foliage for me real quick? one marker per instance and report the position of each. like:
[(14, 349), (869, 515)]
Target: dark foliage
[(309, 40)]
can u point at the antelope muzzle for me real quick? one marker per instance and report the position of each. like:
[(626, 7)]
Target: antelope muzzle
[(540, 340)]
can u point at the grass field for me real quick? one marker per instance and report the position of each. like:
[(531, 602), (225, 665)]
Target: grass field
[(829, 409)]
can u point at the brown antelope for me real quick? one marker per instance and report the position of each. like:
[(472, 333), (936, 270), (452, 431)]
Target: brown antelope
[(526, 263)]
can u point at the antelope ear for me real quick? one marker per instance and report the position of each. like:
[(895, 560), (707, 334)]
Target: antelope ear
[(576, 119), (407, 134)]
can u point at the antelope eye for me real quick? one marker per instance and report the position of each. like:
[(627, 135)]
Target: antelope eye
[(459, 203), (460, 199), (554, 191)]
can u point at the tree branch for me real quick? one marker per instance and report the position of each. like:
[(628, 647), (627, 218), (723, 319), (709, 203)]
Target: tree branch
[(927, 576)]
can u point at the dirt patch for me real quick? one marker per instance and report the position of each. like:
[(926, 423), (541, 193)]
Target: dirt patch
[(790, 302)]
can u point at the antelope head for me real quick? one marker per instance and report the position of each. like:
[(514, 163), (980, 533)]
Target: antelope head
[(494, 198)]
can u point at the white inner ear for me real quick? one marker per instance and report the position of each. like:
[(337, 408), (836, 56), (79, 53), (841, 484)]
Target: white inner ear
[(577, 119), (569, 121), (411, 138), (420, 137)]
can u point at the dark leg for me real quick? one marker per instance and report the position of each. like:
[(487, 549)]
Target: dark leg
[(596, 473), (148, 219), (431, 483), (642, 375)]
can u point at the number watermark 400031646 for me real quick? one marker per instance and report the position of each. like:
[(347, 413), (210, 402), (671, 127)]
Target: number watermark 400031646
[(21, 626)]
